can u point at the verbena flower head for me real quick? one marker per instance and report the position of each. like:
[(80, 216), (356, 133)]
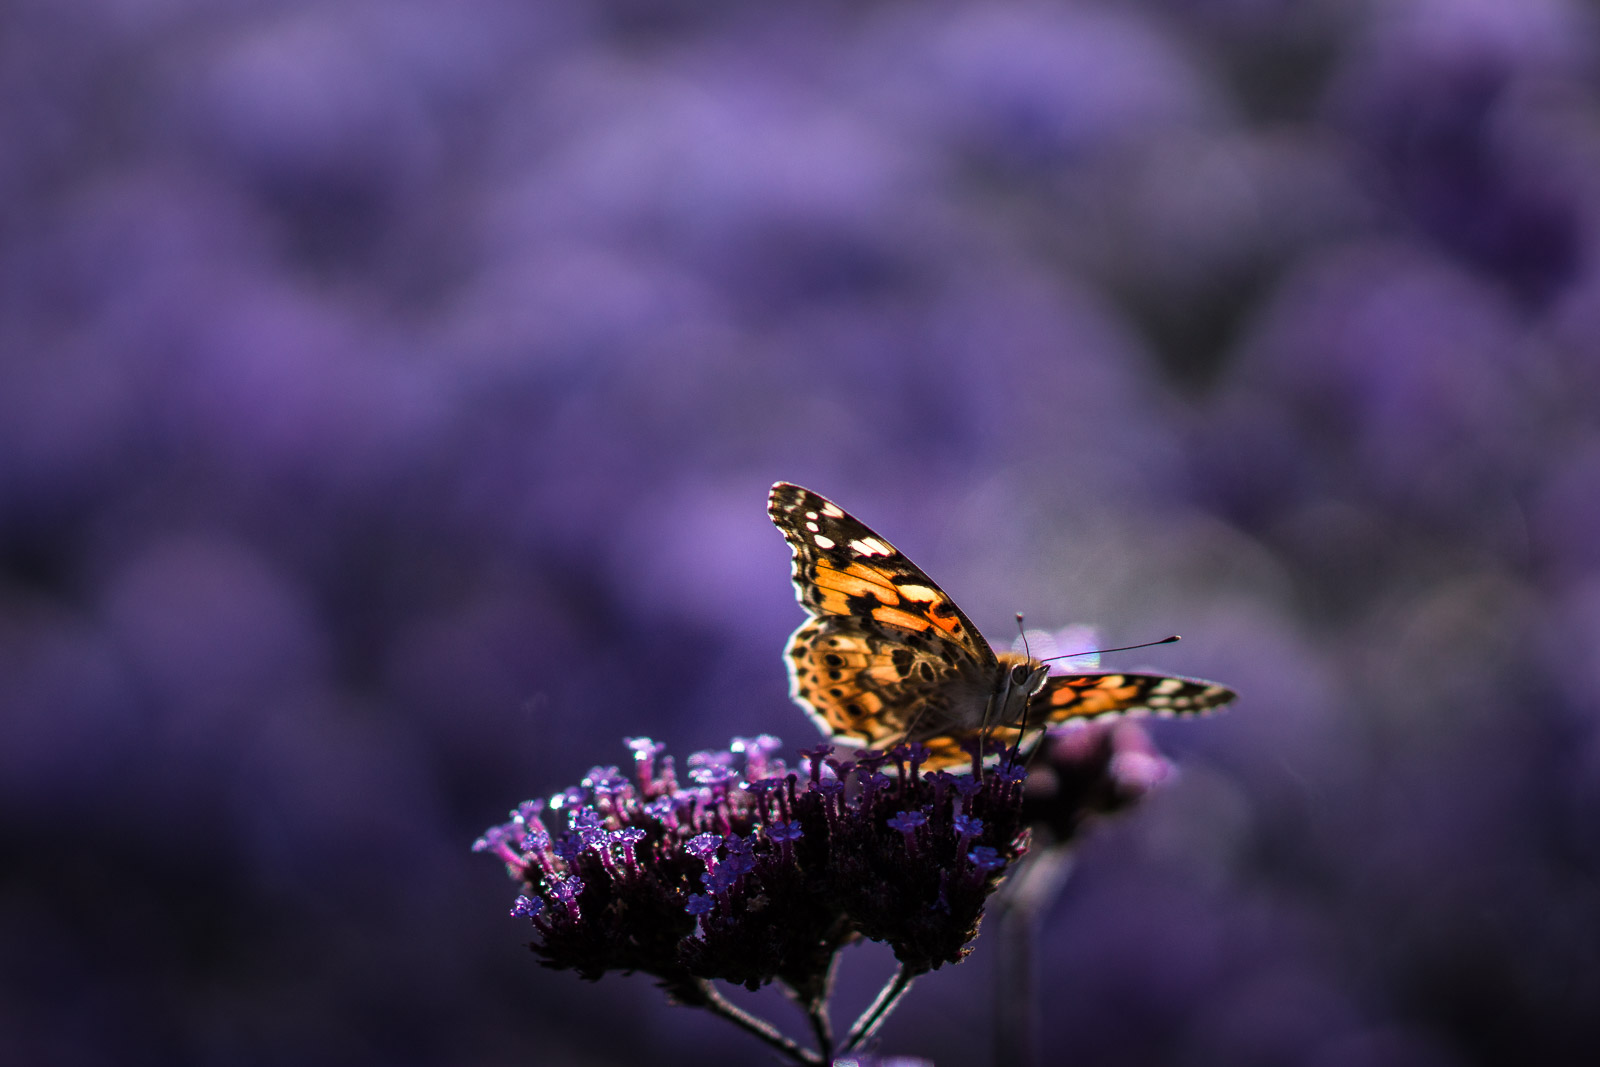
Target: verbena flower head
[(1087, 771), (751, 872)]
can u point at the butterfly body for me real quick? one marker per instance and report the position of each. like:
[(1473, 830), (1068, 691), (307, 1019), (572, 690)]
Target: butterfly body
[(886, 656)]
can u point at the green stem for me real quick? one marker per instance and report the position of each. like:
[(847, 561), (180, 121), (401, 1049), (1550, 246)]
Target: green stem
[(821, 1028), (1017, 911), (717, 1004), (874, 1016)]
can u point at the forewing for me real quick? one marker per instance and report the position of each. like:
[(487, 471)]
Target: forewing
[(1097, 695), (842, 568)]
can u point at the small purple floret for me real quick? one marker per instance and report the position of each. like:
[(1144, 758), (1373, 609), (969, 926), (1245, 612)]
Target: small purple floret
[(784, 831), (628, 837), (915, 753), (907, 821), (876, 781), (644, 748), (871, 758), (663, 809), (985, 858), (724, 878), (702, 845), (712, 775), (1012, 773)]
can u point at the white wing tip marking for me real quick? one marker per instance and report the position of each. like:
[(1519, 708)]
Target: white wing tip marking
[(871, 546)]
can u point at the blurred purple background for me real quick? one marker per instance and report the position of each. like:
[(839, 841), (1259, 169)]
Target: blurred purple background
[(389, 392)]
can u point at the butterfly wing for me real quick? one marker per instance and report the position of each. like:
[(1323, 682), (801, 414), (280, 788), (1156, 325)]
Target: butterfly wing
[(876, 685), (886, 653), (1108, 695), (842, 568), (887, 656)]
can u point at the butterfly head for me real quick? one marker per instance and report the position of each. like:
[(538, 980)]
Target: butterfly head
[(1021, 678)]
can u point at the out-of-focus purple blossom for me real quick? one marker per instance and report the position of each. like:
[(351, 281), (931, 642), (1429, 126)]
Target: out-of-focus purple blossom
[(1428, 93), (1033, 87), (1092, 770), (1396, 383)]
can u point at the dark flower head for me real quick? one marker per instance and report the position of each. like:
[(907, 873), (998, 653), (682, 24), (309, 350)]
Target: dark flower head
[(1090, 770), (754, 872)]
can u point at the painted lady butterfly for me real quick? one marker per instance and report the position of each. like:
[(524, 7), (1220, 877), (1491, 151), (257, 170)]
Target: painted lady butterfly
[(887, 657)]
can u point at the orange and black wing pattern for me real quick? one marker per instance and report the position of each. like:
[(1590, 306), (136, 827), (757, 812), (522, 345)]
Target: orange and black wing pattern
[(885, 652), (842, 568), (1095, 695), (886, 656)]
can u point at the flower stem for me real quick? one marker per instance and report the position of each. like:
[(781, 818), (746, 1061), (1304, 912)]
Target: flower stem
[(874, 1016), (811, 996), (1017, 912), (717, 1004), (821, 1028)]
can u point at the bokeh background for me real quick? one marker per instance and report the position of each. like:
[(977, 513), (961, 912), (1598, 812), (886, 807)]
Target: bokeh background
[(389, 392)]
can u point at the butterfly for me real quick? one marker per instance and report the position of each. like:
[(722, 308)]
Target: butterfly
[(886, 657)]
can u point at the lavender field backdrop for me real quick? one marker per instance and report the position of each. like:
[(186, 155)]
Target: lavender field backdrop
[(389, 392)]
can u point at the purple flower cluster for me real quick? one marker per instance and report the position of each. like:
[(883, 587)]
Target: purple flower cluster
[(752, 872), (1100, 769)]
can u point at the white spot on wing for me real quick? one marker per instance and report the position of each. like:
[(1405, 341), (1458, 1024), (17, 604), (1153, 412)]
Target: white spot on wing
[(871, 546), (823, 542)]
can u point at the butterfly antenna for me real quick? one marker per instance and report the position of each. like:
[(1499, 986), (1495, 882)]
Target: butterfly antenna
[(1034, 752), (1124, 648), (1023, 727)]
